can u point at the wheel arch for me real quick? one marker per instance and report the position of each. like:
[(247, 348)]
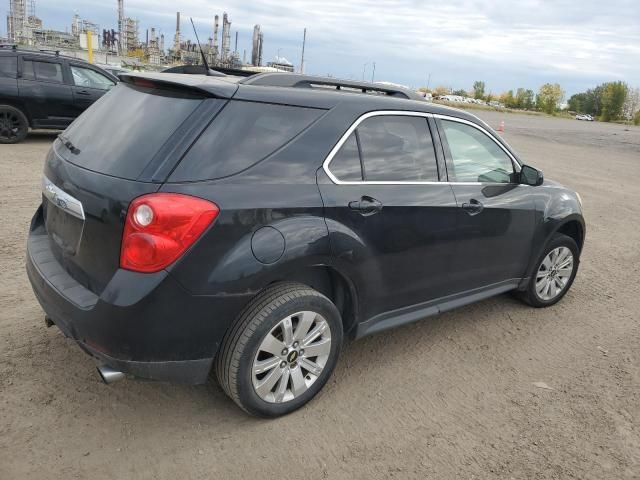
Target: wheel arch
[(20, 106), (571, 228), (334, 285), (571, 225)]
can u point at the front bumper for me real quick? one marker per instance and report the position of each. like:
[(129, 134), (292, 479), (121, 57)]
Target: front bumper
[(146, 325)]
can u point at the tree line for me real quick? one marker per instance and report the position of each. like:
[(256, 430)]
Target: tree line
[(611, 101)]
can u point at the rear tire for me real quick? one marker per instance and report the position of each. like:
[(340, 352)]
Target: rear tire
[(14, 125), (554, 272), (262, 364)]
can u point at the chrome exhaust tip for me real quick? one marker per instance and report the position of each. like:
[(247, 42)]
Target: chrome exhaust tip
[(109, 375)]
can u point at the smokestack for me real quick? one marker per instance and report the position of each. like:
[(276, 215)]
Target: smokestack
[(236, 47), (215, 39), (256, 46), (122, 39), (176, 40), (226, 37)]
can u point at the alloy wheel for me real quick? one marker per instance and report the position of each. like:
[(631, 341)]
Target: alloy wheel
[(554, 273), (10, 125), (291, 357)]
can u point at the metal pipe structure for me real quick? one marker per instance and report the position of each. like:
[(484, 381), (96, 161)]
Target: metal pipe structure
[(304, 41)]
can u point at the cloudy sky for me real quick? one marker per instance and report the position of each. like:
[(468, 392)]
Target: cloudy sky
[(506, 43)]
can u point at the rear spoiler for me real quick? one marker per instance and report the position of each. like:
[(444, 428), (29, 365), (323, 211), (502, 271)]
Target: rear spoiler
[(195, 84)]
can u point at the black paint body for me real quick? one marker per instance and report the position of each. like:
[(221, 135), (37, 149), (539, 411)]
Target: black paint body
[(284, 219)]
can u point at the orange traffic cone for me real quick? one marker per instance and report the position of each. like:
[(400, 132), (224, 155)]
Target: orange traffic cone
[(501, 127)]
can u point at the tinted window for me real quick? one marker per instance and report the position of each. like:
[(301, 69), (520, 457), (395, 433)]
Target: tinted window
[(8, 67), (345, 165), (474, 156), (123, 130), (45, 71), (86, 77), (397, 148), (240, 136)]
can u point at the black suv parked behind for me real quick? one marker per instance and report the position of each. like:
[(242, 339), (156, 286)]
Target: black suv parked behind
[(246, 226), (45, 90)]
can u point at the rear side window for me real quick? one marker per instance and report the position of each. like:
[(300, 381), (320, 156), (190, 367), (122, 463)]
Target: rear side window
[(8, 67), (397, 148), (240, 136), (123, 130), (393, 148), (45, 71)]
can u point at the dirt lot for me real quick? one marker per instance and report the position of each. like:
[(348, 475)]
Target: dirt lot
[(450, 397)]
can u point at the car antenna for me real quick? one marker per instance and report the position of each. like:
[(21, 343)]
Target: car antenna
[(204, 59)]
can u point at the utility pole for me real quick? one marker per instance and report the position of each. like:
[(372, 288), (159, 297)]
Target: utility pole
[(373, 74), (304, 41), (364, 67)]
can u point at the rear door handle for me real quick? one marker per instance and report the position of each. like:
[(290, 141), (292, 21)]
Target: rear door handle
[(366, 206), (473, 207)]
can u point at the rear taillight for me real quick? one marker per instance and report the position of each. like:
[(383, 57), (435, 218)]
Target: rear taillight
[(162, 226)]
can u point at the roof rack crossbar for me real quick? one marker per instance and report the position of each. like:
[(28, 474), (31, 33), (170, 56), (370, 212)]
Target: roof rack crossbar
[(308, 81)]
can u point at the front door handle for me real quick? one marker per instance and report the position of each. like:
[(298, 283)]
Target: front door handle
[(474, 207), (366, 206), (83, 92)]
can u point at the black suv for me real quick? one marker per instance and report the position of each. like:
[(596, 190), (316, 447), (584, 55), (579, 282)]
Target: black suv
[(45, 90), (192, 224)]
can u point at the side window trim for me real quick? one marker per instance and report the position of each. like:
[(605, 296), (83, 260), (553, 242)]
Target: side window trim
[(354, 126)]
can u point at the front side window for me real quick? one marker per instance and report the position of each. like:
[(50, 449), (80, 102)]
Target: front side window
[(474, 156), (44, 71), (85, 77), (8, 67)]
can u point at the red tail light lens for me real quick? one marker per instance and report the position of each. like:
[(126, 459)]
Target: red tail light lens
[(160, 227)]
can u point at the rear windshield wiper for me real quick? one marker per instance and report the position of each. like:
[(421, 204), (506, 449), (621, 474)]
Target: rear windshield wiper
[(67, 143)]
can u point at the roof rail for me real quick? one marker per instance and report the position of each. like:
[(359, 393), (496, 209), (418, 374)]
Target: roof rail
[(46, 50), (278, 79)]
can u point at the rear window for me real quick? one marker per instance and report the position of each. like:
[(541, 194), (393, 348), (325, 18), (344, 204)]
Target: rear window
[(240, 136), (120, 133)]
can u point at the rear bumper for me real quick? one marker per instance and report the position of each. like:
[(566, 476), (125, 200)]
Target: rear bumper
[(146, 325)]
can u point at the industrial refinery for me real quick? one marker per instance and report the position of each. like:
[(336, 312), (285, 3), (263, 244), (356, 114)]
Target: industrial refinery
[(121, 43)]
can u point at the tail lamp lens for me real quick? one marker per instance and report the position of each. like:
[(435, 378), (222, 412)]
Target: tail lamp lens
[(160, 227)]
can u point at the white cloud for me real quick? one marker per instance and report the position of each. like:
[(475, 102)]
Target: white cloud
[(508, 44)]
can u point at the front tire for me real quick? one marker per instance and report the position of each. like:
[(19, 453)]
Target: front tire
[(14, 125), (281, 350), (554, 272)]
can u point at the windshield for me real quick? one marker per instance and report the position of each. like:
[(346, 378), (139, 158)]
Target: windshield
[(120, 133)]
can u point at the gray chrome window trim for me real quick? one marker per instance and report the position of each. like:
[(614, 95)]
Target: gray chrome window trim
[(62, 199), (377, 113)]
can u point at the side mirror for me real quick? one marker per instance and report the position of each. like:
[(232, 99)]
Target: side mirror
[(531, 176)]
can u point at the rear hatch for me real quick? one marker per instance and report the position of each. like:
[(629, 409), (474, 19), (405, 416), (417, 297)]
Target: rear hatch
[(114, 152)]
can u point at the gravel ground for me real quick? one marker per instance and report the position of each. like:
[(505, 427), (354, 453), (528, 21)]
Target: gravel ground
[(451, 397)]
